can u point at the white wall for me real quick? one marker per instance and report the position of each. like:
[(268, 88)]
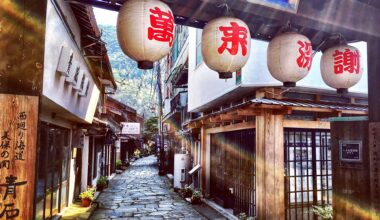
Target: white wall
[(85, 157), (54, 86), (205, 86)]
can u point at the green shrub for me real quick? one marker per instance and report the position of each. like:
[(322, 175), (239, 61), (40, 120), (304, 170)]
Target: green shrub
[(187, 192), (323, 212), (118, 163), (102, 181)]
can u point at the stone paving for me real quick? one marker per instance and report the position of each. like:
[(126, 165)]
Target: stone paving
[(139, 193)]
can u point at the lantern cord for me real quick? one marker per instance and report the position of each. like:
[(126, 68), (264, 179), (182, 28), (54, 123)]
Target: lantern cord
[(338, 37), (227, 9)]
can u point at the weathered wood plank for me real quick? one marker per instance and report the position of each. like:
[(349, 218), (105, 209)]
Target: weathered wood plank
[(270, 166), (233, 127), (306, 124), (18, 131), (374, 167)]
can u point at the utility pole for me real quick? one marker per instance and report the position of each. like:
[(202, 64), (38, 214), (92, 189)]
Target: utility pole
[(161, 165)]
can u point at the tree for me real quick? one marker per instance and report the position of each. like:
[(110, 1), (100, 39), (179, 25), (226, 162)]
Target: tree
[(150, 129)]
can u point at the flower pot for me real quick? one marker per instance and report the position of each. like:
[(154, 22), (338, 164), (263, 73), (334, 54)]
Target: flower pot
[(86, 202), (195, 201)]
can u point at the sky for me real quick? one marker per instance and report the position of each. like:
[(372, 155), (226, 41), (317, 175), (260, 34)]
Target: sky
[(105, 17)]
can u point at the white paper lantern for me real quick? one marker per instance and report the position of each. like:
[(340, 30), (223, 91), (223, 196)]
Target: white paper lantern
[(145, 31), (289, 57), (226, 45), (341, 67)]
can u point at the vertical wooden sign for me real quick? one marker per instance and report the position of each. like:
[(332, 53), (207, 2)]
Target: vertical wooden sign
[(374, 157), (18, 138)]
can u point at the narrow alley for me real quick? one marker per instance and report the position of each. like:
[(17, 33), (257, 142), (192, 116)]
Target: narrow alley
[(139, 193)]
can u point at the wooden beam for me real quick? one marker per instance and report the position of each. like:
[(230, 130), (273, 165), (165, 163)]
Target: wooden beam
[(230, 117), (306, 124), (311, 109), (214, 119), (329, 114), (248, 112), (318, 16), (373, 80), (284, 111), (266, 106), (233, 127)]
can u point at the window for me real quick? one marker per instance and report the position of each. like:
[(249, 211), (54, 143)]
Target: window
[(199, 58), (52, 174), (308, 171)]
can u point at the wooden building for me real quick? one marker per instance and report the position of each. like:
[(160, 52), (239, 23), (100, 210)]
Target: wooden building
[(57, 70)]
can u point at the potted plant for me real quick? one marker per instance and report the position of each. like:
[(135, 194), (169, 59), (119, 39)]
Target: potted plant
[(187, 192), (87, 196), (196, 197), (243, 216), (323, 212), (118, 164), (101, 183)]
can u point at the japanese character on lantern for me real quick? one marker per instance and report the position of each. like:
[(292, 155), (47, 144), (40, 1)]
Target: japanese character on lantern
[(304, 59), (234, 36), (162, 26), (346, 61)]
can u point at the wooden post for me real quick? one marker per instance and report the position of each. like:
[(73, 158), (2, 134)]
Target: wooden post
[(203, 157), (270, 166), (374, 123)]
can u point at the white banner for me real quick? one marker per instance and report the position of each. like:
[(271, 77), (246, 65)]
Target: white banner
[(130, 128)]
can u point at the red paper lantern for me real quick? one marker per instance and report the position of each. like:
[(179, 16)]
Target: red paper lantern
[(226, 45), (289, 57), (145, 31), (341, 67)]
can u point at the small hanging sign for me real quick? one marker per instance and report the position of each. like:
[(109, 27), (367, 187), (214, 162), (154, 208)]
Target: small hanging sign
[(350, 151)]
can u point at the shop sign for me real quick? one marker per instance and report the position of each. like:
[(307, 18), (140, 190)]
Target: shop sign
[(65, 62), (350, 151), (130, 128), (287, 5), (71, 69), (18, 135)]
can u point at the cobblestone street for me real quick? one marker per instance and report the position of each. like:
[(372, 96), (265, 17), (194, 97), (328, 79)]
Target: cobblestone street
[(139, 193)]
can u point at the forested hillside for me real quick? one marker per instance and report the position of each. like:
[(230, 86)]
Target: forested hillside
[(136, 87)]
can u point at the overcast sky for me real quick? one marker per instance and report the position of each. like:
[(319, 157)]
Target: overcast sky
[(105, 17)]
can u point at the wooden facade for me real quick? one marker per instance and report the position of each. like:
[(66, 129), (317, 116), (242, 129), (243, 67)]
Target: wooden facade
[(275, 129)]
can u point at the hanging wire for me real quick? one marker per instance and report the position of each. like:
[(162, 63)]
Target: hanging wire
[(335, 36), (227, 9)]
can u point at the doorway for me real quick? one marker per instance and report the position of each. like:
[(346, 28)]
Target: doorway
[(308, 173), (233, 166)]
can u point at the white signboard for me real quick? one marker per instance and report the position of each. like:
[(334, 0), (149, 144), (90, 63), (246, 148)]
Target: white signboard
[(131, 128)]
